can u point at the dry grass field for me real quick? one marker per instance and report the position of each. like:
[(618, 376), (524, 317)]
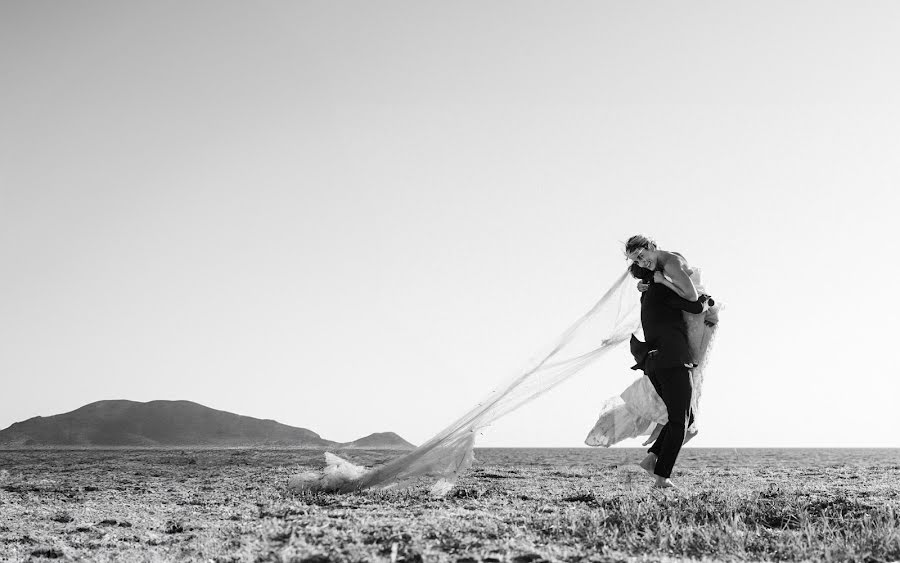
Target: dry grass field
[(520, 506)]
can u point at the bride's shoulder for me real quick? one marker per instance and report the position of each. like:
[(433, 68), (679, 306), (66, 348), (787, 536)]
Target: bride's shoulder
[(679, 262), (674, 260)]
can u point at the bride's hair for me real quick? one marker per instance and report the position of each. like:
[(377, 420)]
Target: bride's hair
[(637, 242)]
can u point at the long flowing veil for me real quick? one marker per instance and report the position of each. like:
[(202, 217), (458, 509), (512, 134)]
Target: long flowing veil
[(610, 322)]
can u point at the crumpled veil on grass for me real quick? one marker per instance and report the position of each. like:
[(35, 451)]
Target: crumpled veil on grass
[(441, 459)]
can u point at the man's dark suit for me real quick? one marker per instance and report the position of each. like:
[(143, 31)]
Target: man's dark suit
[(663, 358)]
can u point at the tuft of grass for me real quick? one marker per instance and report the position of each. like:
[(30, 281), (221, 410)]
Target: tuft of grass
[(173, 527), (47, 553), (62, 516)]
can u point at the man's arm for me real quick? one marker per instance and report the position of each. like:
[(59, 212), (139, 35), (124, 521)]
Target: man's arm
[(695, 307)]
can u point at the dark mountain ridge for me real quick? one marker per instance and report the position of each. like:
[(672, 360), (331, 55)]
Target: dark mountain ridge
[(380, 440), (123, 423)]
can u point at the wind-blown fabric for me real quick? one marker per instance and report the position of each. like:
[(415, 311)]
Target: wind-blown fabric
[(441, 459)]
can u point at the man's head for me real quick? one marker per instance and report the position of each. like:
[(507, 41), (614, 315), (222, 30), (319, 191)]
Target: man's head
[(642, 250), (640, 273)]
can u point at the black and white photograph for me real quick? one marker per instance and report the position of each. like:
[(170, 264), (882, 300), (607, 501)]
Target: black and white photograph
[(394, 281)]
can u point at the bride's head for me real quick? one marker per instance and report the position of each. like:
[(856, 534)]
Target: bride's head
[(642, 250)]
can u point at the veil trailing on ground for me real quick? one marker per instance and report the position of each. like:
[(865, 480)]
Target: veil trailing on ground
[(610, 322)]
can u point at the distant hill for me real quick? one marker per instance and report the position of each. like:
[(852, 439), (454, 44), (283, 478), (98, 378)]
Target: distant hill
[(158, 423), (380, 441)]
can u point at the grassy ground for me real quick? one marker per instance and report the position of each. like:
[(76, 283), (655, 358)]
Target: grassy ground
[(233, 505)]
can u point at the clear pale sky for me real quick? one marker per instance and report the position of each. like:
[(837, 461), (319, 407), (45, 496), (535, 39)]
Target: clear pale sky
[(362, 216)]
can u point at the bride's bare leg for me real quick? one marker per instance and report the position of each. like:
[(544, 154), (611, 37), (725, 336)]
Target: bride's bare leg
[(689, 433), (649, 464)]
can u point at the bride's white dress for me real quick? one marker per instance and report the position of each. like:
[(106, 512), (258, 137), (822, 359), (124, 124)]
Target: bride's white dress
[(639, 410)]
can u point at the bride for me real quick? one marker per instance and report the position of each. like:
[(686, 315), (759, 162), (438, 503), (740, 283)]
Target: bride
[(639, 410)]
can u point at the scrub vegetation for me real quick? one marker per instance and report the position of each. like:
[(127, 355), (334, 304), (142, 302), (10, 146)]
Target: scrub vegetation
[(520, 506)]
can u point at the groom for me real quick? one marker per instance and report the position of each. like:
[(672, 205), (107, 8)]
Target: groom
[(666, 359)]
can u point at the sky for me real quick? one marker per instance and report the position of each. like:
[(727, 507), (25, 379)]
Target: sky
[(357, 217)]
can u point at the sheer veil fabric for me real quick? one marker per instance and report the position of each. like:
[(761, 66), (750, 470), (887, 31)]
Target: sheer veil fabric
[(610, 322)]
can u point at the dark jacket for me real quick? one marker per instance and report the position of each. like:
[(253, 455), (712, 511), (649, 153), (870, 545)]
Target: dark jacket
[(664, 328)]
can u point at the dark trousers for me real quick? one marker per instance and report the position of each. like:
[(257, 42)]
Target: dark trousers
[(674, 386)]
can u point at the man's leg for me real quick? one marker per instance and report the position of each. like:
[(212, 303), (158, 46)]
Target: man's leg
[(656, 448), (648, 464), (676, 393)]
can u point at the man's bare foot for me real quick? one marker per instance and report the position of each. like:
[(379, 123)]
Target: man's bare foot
[(664, 483), (649, 464)]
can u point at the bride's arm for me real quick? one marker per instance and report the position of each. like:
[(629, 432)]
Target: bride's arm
[(680, 283)]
